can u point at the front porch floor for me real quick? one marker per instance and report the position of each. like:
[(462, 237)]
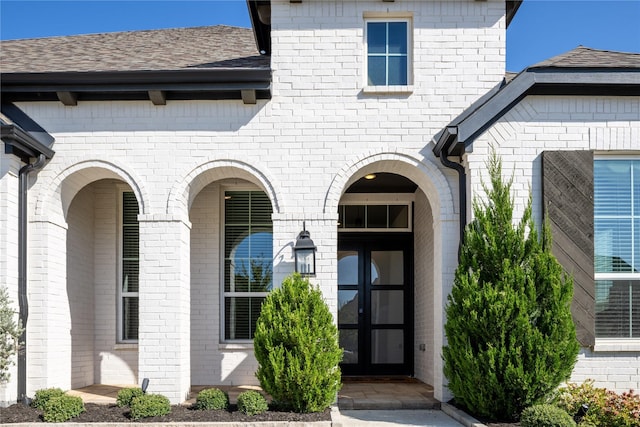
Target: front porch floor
[(379, 393)]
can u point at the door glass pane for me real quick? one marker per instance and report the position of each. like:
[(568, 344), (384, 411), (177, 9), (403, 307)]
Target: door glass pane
[(387, 307), (349, 345), (348, 307), (387, 268), (347, 267), (387, 346)]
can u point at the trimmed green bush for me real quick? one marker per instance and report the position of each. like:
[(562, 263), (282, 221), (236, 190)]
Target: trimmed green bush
[(126, 395), (42, 396), (296, 346), (545, 415), (606, 408), (212, 398), (511, 337), (10, 332), (149, 405), (62, 408), (251, 402)]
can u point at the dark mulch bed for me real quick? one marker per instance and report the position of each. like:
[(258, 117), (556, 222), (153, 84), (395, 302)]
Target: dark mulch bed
[(20, 413)]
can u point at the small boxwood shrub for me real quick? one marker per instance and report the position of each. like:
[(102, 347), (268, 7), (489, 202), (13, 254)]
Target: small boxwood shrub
[(545, 415), (212, 398), (606, 408), (126, 395), (149, 405), (252, 403), (62, 408), (42, 396)]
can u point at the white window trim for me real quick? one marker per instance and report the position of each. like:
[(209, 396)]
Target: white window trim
[(120, 341), (232, 344), (388, 17), (616, 344)]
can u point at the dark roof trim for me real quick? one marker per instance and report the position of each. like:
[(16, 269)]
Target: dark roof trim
[(512, 7), (210, 83), (260, 14), (22, 136), (481, 115)]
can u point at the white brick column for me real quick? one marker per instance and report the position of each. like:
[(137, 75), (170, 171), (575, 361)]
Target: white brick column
[(49, 323), (164, 316), (9, 187)]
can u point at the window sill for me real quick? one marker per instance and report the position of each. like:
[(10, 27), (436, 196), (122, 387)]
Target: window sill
[(236, 346), (388, 90), (613, 345), (129, 346)]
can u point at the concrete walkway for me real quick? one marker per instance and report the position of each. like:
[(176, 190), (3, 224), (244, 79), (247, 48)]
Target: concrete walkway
[(392, 418)]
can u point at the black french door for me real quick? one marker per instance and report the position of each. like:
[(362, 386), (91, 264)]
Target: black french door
[(375, 303)]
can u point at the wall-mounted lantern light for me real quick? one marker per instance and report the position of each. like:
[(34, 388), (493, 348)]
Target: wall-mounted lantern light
[(305, 253)]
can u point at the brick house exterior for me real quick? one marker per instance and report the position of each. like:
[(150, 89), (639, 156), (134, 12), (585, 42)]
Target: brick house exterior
[(155, 147)]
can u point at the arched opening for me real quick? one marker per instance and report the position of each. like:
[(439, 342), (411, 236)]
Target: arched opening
[(386, 278)]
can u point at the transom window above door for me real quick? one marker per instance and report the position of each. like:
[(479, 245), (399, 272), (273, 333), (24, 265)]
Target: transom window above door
[(374, 217)]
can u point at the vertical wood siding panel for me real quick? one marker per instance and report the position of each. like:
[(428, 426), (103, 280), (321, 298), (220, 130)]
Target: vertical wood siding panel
[(567, 194)]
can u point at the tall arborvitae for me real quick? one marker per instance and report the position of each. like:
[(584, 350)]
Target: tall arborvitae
[(511, 337)]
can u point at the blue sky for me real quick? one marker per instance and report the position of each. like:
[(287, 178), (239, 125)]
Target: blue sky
[(540, 30)]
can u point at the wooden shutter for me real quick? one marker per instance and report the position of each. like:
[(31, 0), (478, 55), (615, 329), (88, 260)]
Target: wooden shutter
[(567, 194)]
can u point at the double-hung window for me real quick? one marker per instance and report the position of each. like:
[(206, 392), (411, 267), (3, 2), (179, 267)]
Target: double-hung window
[(388, 52), (617, 247), (129, 266), (248, 257)]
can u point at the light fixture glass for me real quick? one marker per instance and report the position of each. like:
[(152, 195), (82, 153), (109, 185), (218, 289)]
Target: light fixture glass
[(370, 176), (305, 254)]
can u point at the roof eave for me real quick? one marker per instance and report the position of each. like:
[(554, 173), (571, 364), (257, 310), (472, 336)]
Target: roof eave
[(512, 8), (22, 144), (199, 83), (620, 82)]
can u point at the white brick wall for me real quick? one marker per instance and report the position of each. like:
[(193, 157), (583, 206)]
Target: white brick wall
[(304, 147), (538, 123)]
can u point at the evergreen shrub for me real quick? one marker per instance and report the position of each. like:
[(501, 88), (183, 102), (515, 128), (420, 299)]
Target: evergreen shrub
[(251, 402), (42, 396), (511, 337), (62, 408), (149, 405), (212, 399), (545, 415), (10, 332), (126, 395), (296, 346)]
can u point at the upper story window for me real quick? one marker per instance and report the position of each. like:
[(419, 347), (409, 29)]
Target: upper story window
[(388, 52), (617, 247)]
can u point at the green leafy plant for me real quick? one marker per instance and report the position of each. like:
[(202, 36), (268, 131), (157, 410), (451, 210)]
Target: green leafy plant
[(545, 415), (61, 408), (296, 345), (511, 337), (126, 395), (212, 399), (42, 396), (251, 402), (10, 332), (149, 405), (606, 408)]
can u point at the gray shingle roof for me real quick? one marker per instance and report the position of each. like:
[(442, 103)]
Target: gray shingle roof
[(168, 49), (584, 57)]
